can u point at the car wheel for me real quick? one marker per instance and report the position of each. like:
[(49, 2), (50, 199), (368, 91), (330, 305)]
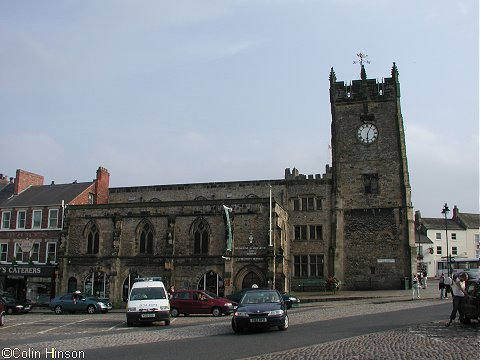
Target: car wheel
[(174, 312), (9, 311), (2, 319), (285, 324), (129, 323), (58, 310), (91, 309), (216, 311)]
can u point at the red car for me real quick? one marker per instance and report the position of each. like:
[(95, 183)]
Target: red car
[(188, 302)]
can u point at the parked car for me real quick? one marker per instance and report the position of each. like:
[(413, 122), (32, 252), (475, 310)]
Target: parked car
[(76, 301), (260, 309), (471, 304), (14, 306), (199, 302), (2, 314), (289, 299)]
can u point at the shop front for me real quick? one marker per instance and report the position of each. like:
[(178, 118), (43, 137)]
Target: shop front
[(31, 283)]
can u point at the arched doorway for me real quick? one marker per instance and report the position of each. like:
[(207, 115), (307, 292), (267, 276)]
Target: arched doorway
[(127, 285), (72, 284), (212, 282), (250, 279), (97, 284)]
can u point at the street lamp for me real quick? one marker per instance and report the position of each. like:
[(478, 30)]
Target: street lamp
[(445, 211)]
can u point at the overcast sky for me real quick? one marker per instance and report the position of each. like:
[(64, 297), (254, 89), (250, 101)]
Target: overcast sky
[(187, 91)]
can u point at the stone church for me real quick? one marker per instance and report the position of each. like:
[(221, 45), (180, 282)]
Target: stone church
[(354, 222)]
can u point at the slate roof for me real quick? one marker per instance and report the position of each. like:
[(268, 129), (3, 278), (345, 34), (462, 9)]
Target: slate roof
[(6, 192), (45, 195), (424, 239), (439, 223), (471, 221)]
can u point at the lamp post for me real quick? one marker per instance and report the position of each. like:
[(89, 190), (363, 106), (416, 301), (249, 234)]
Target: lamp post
[(445, 211)]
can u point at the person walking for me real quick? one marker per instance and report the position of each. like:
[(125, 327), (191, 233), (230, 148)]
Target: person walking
[(415, 287), (448, 285), (424, 279), (459, 294), (441, 286)]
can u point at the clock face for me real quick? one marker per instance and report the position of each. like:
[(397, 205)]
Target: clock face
[(367, 133)]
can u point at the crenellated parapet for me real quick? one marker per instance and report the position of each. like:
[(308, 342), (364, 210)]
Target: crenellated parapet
[(364, 89), (294, 174)]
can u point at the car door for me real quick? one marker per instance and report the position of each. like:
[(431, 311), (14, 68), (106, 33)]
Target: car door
[(182, 300), (66, 302), (471, 303)]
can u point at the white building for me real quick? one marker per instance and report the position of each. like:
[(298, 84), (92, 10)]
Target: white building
[(438, 238)]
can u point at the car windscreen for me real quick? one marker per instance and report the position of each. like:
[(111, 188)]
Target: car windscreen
[(260, 297), (150, 293)]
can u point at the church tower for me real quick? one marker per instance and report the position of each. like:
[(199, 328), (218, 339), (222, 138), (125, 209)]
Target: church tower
[(372, 244)]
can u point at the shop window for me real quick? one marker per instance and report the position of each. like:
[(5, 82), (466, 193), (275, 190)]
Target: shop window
[(201, 239), (146, 240), (3, 252), (97, 284), (6, 220), (93, 240), (127, 285), (51, 252), (36, 219), (53, 218), (21, 219), (39, 290)]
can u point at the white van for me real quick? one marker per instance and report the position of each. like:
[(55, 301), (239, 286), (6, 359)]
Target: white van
[(148, 302)]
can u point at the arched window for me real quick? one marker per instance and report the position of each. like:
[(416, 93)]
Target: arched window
[(72, 284), (200, 239), (93, 240), (146, 240)]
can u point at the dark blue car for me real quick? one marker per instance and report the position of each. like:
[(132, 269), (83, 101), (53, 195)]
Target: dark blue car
[(260, 309)]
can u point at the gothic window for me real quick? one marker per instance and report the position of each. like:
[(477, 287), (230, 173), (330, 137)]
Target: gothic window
[(93, 240), (200, 239), (146, 240), (370, 182)]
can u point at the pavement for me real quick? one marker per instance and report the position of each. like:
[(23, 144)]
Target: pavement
[(311, 297)]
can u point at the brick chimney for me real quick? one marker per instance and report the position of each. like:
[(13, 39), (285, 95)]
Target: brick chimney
[(455, 213), (102, 183), (25, 179)]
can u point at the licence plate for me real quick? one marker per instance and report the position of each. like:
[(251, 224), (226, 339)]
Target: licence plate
[(258, 320), (147, 315)]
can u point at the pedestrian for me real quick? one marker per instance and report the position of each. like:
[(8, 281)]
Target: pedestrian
[(441, 286), (459, 293), (448, 285), (424, 279), (415, 287), (171, 290)]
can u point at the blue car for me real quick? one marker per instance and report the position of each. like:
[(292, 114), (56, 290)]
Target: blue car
[(260, 309), (78, 302)]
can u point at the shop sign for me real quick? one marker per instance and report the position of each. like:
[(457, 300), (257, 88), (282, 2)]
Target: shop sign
[(26, 270)]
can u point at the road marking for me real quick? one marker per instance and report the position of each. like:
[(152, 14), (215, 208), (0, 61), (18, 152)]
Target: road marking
[(113, 327), (25, 323), (58, 327)]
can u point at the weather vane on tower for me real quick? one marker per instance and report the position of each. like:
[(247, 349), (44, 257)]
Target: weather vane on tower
[(363, 59)]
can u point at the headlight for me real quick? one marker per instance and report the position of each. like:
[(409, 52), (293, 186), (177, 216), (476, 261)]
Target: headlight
[(102, 305), (19, 306), (131, 309), (227, 304), (275, 313), (241, 314)]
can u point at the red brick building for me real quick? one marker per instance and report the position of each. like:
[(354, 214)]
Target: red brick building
[(31, 225)]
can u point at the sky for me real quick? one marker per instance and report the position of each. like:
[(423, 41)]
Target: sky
[(187, 91)]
